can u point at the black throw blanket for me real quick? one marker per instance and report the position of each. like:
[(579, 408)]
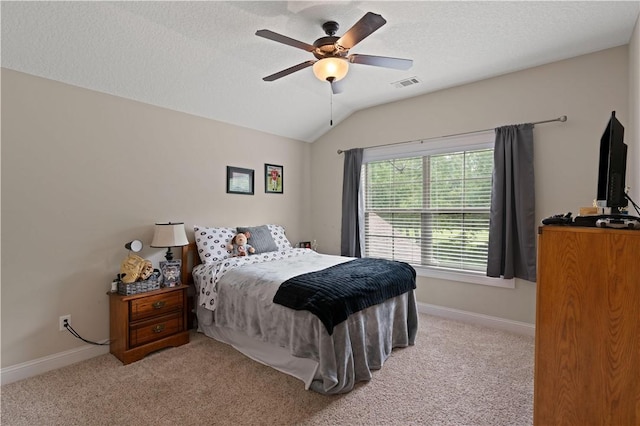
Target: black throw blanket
[(334, 293)]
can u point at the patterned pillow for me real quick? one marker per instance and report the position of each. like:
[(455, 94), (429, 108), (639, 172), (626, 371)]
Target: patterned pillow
[(278, 235), (212, 243), (260, 238)]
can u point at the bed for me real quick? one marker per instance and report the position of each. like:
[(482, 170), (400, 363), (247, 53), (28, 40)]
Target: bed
[(242, 301)]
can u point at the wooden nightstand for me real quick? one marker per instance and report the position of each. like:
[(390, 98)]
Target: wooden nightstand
[(146, 322)]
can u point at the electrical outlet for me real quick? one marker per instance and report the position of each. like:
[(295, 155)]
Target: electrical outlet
[(61, 321)]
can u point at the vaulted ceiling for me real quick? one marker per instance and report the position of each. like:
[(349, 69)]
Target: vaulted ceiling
[(204, 58)]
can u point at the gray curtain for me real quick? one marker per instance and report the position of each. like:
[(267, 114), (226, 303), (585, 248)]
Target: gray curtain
[(512, 228), (350, 235)]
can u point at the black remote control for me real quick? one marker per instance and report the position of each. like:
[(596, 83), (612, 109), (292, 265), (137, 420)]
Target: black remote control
[(558, 219)]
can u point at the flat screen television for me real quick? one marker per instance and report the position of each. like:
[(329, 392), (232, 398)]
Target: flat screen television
[(612, 167)]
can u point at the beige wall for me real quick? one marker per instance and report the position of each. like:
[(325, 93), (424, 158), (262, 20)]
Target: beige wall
[(586, 89), (83, 173)]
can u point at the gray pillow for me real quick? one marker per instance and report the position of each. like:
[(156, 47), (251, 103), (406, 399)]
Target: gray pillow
[(260, 238)]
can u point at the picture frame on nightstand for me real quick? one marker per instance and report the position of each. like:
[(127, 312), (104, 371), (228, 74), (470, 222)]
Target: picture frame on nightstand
[(170, 270)]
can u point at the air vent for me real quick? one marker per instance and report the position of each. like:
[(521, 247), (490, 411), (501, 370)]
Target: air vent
[(406, 82)]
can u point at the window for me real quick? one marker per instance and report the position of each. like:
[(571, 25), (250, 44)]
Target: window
[(428, 204)]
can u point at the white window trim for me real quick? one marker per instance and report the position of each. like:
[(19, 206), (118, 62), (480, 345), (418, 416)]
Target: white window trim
[(472, 141), (465, 277)]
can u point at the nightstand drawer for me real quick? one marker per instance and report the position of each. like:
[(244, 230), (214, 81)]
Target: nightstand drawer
[(156, 305), (157, 328)]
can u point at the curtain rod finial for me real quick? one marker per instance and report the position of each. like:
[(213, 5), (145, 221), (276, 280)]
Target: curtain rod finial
[(340, 151), (563, 118)]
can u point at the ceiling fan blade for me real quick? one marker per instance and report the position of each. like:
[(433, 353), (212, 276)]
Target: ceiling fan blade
[(285, 40), (381, 61), (369, 23), (337, 87), (288, 71)]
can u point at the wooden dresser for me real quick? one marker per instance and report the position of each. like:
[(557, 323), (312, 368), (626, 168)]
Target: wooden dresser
[(587, 352), (146, 322)]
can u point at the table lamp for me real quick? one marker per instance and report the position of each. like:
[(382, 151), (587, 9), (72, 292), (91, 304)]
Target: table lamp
[(169, 235)]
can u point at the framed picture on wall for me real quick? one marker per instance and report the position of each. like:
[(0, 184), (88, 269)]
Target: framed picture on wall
[(273, 179), (239, 181)]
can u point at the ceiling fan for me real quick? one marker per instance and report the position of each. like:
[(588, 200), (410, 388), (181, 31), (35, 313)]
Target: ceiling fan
[(332, 52)]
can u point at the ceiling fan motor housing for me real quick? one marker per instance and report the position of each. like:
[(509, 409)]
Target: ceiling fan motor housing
[(326, 47)]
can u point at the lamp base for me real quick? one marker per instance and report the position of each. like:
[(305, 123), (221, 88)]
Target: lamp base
[(168, 255)]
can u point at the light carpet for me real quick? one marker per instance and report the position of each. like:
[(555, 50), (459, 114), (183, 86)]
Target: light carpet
[(456, 374)]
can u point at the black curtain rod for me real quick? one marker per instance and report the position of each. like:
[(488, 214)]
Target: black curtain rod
[(562, 119)]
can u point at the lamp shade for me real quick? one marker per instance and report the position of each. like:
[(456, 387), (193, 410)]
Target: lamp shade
[(332, 69), (169, 235)]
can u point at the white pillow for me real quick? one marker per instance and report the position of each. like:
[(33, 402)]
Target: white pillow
[(212, 242), (277, 232)]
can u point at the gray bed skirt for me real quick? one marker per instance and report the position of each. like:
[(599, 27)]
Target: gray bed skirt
[(331, 364)]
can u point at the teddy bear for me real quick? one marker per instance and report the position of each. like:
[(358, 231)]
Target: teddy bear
[(238, 245)]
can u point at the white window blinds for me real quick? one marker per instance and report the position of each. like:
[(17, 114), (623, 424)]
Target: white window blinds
[(428, 204)]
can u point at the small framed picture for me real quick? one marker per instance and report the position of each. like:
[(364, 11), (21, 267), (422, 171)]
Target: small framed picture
[(273, 179), (239, 181), (170, 270), (304, 244)]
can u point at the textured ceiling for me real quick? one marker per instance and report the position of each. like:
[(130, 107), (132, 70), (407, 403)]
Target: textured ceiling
[(203, 58)]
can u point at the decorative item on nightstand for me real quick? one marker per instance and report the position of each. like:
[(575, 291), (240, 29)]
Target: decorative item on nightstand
[(170, 235), (170, 270), (133, 246), (136, 274)]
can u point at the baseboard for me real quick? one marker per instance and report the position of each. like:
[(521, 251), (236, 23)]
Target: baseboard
[(62, 359), (51, 362), (480, 319)]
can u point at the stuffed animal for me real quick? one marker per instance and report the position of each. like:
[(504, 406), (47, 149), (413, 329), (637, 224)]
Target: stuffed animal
[(238, 245)]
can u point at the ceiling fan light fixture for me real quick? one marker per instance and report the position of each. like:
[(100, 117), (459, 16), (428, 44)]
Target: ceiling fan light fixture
[(331, 69)]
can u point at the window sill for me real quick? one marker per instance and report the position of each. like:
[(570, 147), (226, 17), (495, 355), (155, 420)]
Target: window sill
[(470, 278)]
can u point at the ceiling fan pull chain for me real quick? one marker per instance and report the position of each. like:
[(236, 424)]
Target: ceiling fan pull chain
[(331, 120)]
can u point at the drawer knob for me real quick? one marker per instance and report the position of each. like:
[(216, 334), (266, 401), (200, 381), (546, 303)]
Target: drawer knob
[(158, 328), (159, 304)]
